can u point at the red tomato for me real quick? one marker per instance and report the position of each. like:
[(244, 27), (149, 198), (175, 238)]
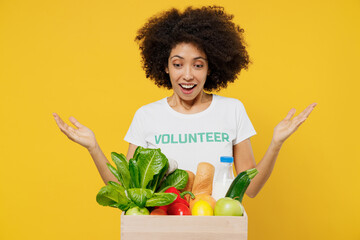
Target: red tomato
[(158, 211), (178, 209), (162, 207)]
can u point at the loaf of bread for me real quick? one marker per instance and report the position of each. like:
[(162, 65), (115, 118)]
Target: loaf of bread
[(203, 182)]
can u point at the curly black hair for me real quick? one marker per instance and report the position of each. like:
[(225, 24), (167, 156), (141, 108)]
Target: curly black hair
[(209, 28)]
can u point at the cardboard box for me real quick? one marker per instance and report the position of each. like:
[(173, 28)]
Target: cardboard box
[(184, 227)]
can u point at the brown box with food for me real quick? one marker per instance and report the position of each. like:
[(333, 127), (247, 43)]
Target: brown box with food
[(150, 227)]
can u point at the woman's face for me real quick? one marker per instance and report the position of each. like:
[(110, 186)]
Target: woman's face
[(188, 69)]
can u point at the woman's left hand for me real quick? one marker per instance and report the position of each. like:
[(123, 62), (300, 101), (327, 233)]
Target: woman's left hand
[(288, 126)]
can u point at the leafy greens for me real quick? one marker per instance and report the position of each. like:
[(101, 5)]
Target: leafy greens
[(139, 180)]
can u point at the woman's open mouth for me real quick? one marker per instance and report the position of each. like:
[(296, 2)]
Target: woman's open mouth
[(187, 88)]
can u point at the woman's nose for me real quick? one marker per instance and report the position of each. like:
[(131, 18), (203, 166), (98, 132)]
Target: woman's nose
[(188, 75)]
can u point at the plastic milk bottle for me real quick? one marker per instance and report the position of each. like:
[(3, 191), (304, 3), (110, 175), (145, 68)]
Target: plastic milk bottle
[(223, 178)]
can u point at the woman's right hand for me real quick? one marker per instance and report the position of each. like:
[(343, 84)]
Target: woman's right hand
[(81, 135)]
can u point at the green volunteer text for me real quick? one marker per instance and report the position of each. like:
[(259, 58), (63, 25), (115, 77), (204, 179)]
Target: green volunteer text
[(182, 138)]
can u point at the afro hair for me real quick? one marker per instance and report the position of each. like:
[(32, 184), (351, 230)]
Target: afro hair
[(209, 28)]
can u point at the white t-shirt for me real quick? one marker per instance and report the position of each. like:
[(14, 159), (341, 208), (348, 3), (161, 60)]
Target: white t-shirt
[(191, 138)]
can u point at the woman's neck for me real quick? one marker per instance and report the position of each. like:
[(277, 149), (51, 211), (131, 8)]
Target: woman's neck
[(198, 104)]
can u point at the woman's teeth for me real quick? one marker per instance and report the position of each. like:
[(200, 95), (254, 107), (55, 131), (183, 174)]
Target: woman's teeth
[(187, 86)]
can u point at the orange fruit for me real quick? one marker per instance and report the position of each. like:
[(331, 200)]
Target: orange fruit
[(205, 197)]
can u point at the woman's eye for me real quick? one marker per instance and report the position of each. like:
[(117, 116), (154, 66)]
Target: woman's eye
[(176, 65), (199, 65)]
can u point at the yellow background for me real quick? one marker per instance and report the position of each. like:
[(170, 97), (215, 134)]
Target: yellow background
[(79, 58)]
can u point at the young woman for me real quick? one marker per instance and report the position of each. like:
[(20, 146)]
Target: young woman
[(193, 53)]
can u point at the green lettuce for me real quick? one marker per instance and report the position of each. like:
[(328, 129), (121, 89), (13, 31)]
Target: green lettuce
[(122, 168), (177, 179), (139, 178), (140, 196), (150, 163)]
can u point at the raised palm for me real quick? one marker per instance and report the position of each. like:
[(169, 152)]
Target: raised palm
[(288, 126), (81, 134)]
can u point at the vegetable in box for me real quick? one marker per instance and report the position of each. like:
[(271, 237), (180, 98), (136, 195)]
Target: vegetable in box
[(142, 181)]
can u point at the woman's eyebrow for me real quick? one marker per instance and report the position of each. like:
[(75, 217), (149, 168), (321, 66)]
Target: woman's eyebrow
[(183, 58), (200, 58)]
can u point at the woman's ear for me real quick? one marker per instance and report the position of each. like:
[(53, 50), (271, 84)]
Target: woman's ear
[(167, 70)]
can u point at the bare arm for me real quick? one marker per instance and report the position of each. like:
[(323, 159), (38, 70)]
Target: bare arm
[(86, 138), (100, 162), (131, 151), (244, 157)]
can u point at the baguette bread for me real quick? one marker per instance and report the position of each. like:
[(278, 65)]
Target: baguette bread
[(203, 182)]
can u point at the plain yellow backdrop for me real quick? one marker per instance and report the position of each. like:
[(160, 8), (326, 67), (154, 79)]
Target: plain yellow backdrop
[(79, 58)]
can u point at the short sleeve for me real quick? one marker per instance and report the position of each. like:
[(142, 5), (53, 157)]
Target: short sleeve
[(135, 134), (245, 128)]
